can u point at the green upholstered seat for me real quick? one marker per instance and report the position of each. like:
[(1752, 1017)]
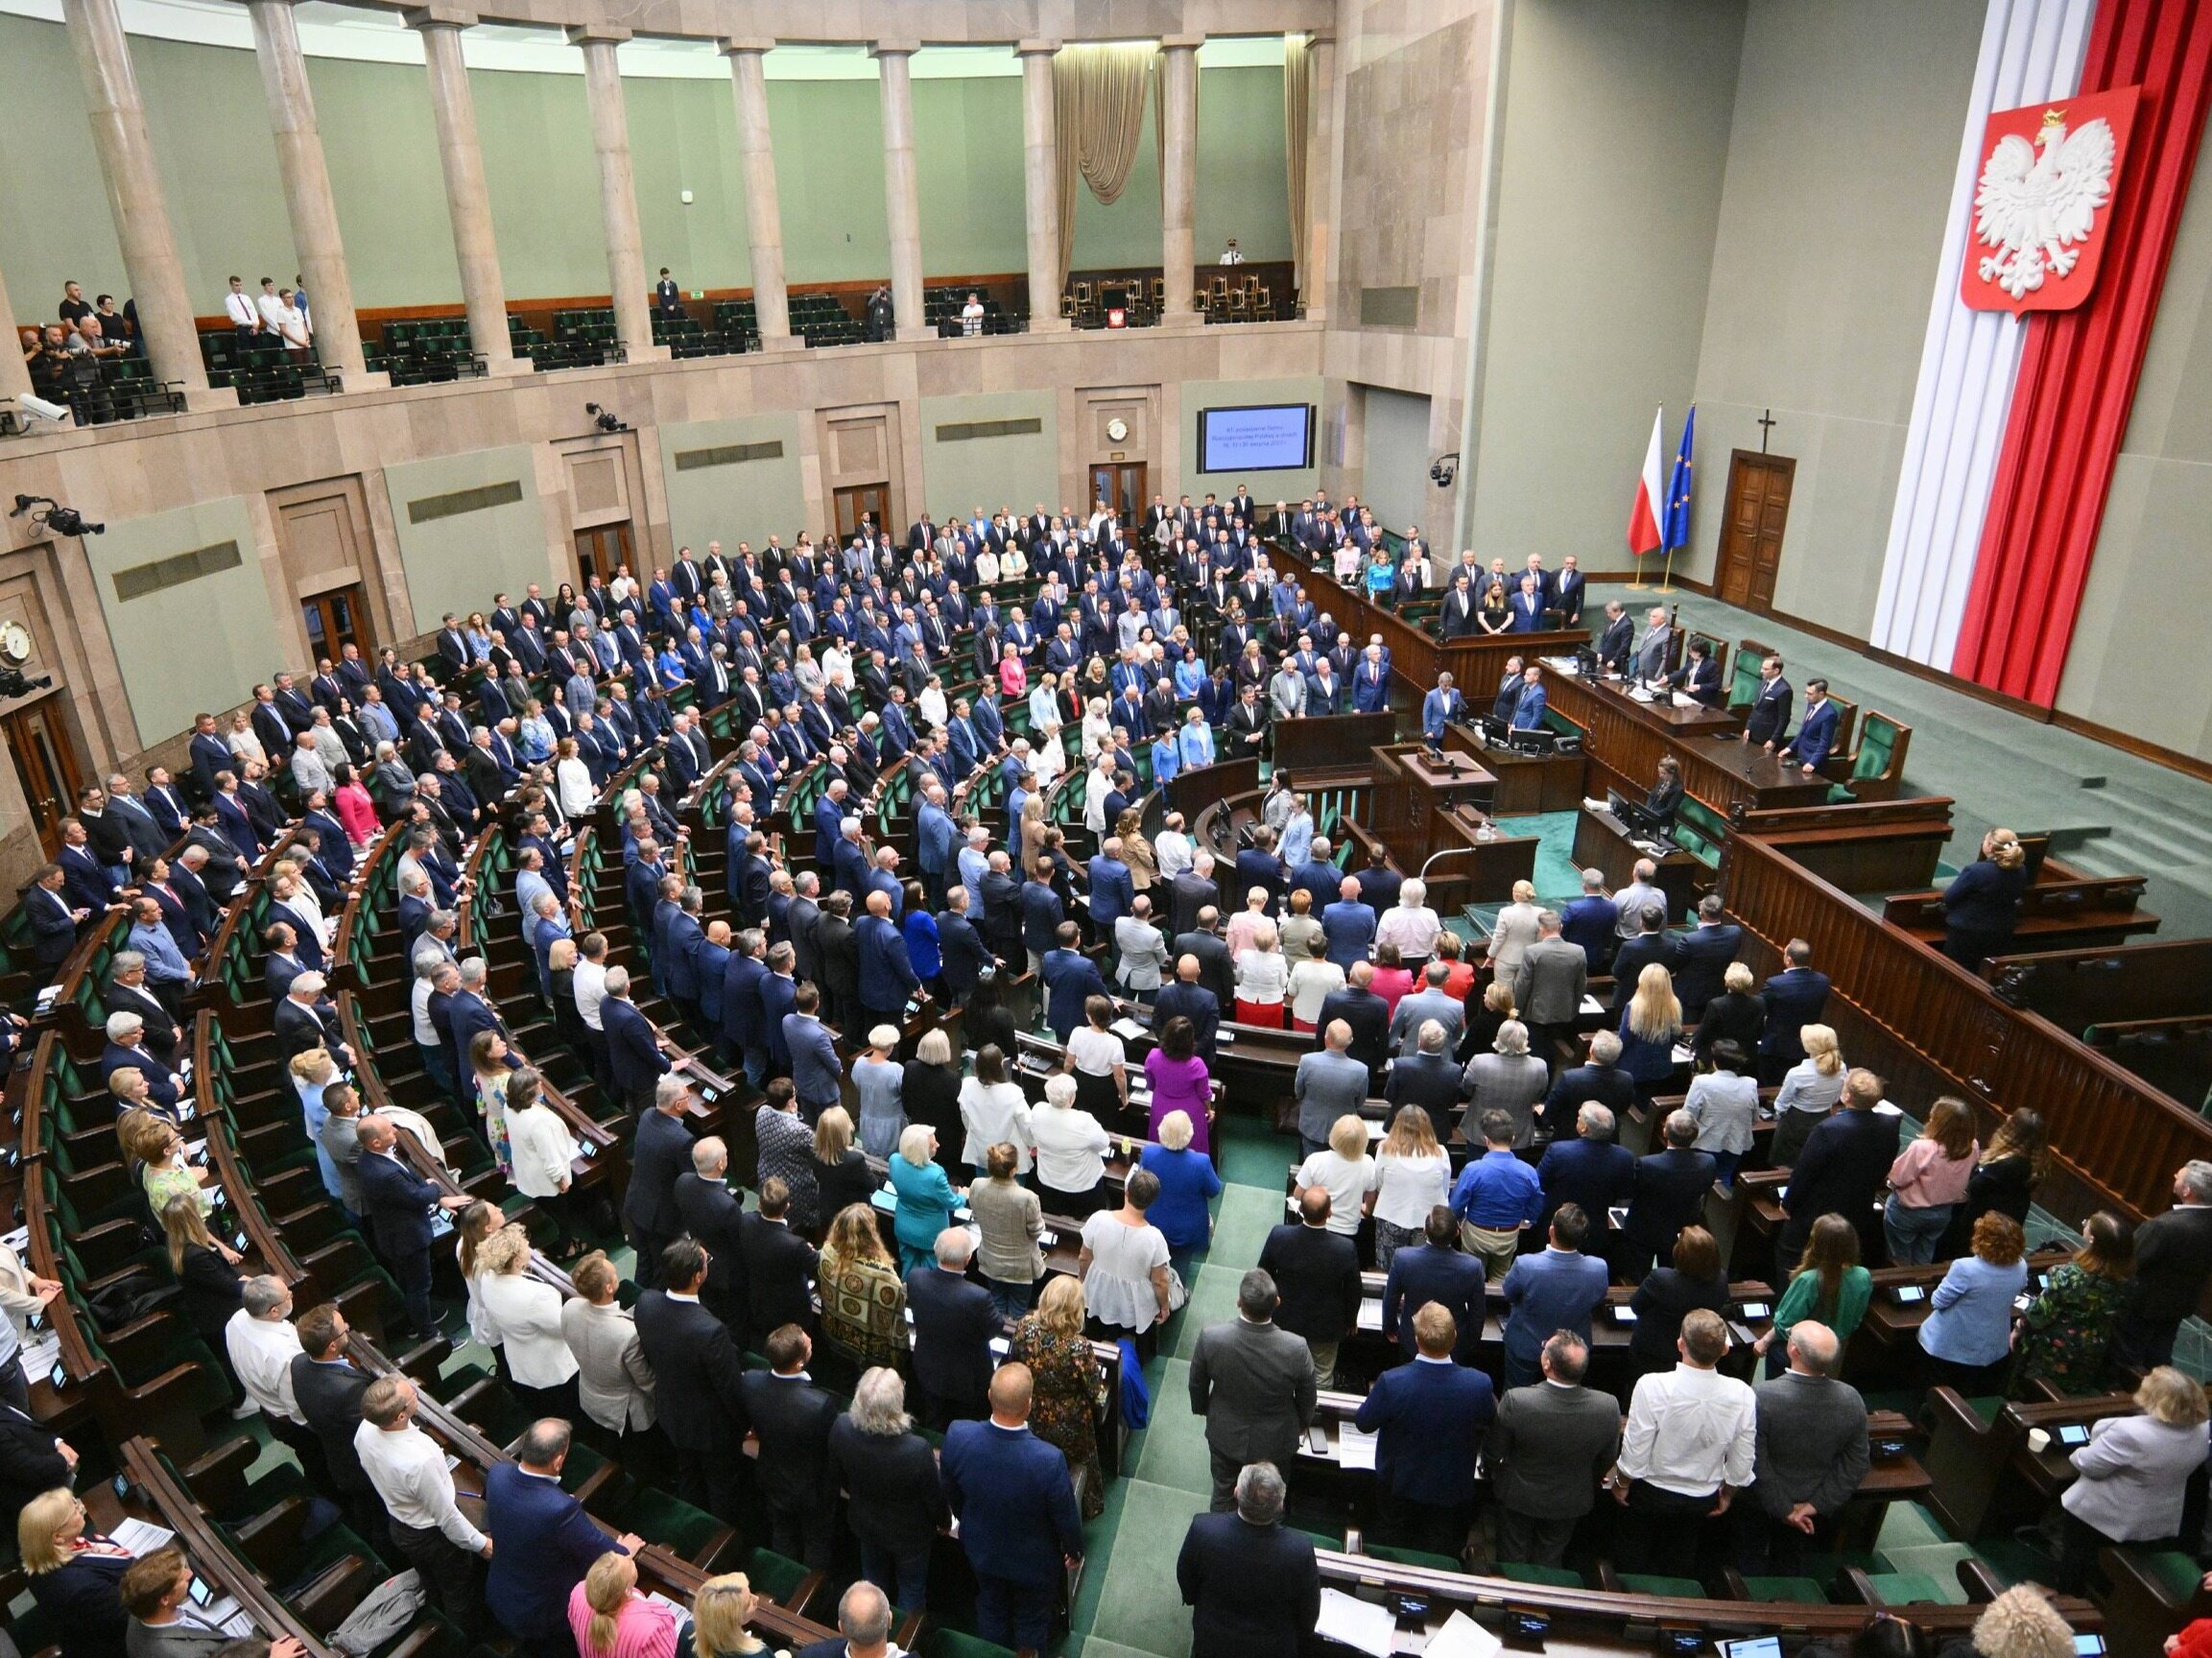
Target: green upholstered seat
[(1652, 1583), (1903, 1588), (1800, 1590), (1551, 1576), (1414, 1557)]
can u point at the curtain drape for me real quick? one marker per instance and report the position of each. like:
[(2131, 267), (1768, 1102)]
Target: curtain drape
[(1097, 116), (1297, 111)]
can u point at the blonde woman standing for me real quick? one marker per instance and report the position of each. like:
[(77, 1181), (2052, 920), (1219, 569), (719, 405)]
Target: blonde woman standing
[(1809, 1091), (613, 1382), (1069, 1384), (523, 1316), (863, 1297), (1515, 931), (1413, 1176), (1928, 1180)]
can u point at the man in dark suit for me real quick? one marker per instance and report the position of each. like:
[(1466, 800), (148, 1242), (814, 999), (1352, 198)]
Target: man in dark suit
[(328, 1388), (792, 1417), (1252, 1585), (1812, 1454), (1367, 1013), (1769, 715), (1650, 944), (1185, 998), (53, 918), (1667, 1195), (965, 957), (1429, 1077), (1795, 997), (1190, 891), (1216, 971), (697, 1381), (1544, 1454), (1254, 1382), (1071, 978), (1436, 1271), (1429, 1418), (397, 1202), (1018, 1522), (2173, 1258), (659, 1158), (1701, 956), (1590, 1172), (632, 1048), (779, 1265), (953, 1324), (306, 1019), (542, 1542), (1558, 1288), (32, 1458), (714, 1214), (1841, 1171), (1317, 1274)]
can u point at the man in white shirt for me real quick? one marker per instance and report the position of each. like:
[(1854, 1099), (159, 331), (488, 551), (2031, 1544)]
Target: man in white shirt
[(238, 305), (262, 1344), (590, 980), (1232, 254), (271, 308), (1690, 1444), (408, 1469), (1172, 847)]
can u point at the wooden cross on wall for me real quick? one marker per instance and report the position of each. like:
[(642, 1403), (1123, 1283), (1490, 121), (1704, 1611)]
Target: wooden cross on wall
[(1767, 423)]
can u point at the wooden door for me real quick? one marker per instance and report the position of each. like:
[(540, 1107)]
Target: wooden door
[(337, 619), (854, 500), (602, 550), (1121, 485), (1751, 529), (46, 763)]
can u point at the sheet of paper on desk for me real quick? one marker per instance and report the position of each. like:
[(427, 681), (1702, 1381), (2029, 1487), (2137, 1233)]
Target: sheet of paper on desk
[(141, 1537), (674, 1606), (1371, 1315), (1461, 1637), (1127, 1029), (1357, 1623), (1683, 1055), (40, 1358), (1590, 1004), (1354, 1448), (18, 1239)]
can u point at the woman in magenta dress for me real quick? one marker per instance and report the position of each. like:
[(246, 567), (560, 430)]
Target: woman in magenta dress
[(1180, 1082)]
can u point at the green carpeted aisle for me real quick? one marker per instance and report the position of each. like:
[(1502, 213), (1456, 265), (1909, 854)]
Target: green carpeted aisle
[(1130, 1603)]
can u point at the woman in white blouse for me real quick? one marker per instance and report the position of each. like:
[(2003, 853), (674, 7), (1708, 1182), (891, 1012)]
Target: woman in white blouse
[(572, 780), (1048, 759), (1311, 981), (1071, 1150), (932, 701), (244, 742), (524, 1314), (613, 1383), (987, 566), (1515, 931), (1014, 562), (538, 1142), (1096, 729), (994, 1109), (1412, 926), (1263, 980), (1413, 1176)]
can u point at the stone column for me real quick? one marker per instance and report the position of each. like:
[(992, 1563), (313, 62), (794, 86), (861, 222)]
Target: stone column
[(902, 198), (1041, 183), (307, 199), (617, 187), (763, 216), (134, 179), (467, 200), (14, 374), (1321, 172), (1179, 140)]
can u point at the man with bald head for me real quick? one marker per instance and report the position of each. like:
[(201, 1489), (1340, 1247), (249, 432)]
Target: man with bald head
[(1188, 999), (1812, 1453), (1014, 1500)]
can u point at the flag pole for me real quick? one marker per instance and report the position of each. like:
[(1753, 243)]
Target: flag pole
[(1636, 580), (1667, 578)]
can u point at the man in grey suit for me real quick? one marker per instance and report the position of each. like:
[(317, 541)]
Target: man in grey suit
[(1548, 986), (1254, 1382), (1545, 1454), (1650, 659), (1330, 1084), (1812, 1453), (1428, 1003)]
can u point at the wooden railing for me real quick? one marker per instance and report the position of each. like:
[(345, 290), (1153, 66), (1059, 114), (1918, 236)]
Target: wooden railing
[(1932, 1027)]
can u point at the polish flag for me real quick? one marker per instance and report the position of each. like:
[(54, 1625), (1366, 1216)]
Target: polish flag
[(1644, 514)]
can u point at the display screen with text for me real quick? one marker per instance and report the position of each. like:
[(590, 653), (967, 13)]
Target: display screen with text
[(1261, 438)]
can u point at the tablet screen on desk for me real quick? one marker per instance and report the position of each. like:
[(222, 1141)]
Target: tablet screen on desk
[(1754, 1310), (2089, 1645), (1752, 1647), (1911, 1294), (2074, 1433)]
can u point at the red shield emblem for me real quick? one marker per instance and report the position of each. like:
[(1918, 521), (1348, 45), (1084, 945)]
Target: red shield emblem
[(2043, 202)]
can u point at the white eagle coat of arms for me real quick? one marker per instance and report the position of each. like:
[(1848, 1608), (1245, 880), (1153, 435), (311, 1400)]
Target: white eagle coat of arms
[(2038, 200)]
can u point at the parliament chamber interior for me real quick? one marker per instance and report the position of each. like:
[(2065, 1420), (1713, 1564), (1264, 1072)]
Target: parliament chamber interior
[(1196, 829)]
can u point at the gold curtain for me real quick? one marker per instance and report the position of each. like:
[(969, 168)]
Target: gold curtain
[(1097, 116), (1297, 99)]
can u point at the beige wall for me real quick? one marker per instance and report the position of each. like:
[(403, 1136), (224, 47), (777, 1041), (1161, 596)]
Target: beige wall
[(1615, 145), (456, 559), (1841, 158), (2134, 660), (732, 499), (1266, 487), (1017, 469)]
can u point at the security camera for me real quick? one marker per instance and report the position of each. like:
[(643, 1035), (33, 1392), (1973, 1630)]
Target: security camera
[(37, 409), (605, 421), (68, 521), (1443, 471)]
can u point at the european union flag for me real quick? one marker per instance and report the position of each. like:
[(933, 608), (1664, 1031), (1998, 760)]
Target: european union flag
[(1676, 532)]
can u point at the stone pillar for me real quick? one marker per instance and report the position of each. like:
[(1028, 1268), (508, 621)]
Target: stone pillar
[(1321, 172), (902, 197), (14, 374), (1179, 139), (617, 188), (763, 216), (307, 199), (467, 200), (126, 151), (1041, 183)]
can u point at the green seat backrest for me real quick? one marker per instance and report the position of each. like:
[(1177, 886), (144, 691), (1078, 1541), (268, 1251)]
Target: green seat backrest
[(1553, 1576), (1413, 1558), (1744, 682), (1877, 744), (1799, 1590), (1699, 830), (1673, 1587), (1903, 1588), (772, 1574)]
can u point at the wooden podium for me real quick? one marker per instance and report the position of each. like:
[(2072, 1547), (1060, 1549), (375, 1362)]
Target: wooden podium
[(1426, 805)]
